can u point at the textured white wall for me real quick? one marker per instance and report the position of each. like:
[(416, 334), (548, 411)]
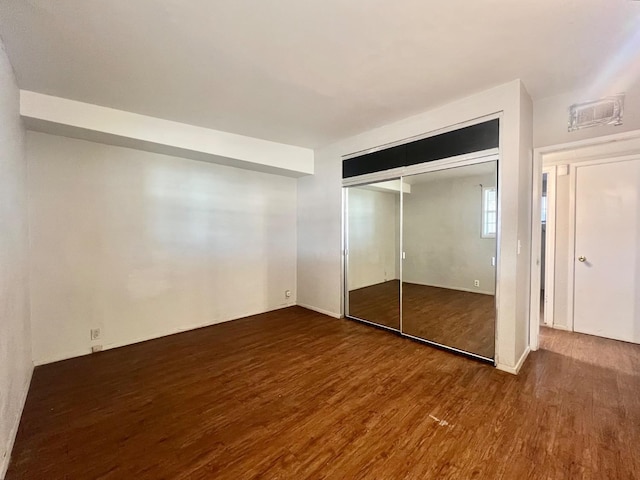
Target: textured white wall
[(142, 245), (15, 342), (373, 237), (551, 115), (320, 235), (442, 235)]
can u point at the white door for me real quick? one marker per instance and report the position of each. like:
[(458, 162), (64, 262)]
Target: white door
[(607, 240)]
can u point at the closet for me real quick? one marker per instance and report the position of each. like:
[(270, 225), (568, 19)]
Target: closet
[(421, 224)]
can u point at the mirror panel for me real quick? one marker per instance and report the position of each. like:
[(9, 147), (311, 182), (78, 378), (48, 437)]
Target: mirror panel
[(373, 258), (448, 272)]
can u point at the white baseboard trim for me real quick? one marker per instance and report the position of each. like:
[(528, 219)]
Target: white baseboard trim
[(515, 370), (460, 289), (320, 310), (4, 462), (561, 327), (60, 357), (153, 336)]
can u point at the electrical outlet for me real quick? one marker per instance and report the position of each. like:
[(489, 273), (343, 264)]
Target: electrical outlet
[(96, 348), (95, 333), (287, 294), (476, 283)]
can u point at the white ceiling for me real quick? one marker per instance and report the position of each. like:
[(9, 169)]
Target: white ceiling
[(478, 169), (446, 174), (306, 72)]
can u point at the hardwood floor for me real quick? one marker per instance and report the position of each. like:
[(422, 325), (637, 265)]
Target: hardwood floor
[(378, 303), (462, 320), (293, 394)]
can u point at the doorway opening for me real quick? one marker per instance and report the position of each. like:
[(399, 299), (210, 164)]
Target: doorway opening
[(581, 192), (543, 241)]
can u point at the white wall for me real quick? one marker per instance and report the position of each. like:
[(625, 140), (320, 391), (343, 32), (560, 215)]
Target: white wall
[(142, 245), (319, 209), (69, 118), (320, 235), (523, 249), (15, 343), (551, 115), (373, 237), (442, 235)]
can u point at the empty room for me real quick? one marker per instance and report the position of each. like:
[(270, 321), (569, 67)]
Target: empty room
[(319, 239)]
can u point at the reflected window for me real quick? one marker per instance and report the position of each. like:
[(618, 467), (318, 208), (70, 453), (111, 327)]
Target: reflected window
[(489, 212)]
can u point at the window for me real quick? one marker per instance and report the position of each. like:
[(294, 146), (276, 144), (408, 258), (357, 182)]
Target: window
[(544, 209), (489, 212)]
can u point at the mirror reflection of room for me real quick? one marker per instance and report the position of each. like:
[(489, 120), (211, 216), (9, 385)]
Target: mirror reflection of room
[(373, 273), (449, 240)]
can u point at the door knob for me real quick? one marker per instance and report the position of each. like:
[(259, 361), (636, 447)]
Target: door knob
[(582, 258)]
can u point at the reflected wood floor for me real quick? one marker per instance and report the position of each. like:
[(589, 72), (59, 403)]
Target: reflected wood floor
[(463, 320), (293, 394)]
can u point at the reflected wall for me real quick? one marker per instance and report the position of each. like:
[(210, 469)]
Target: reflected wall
[(421, 255), (449, 241), (373, 267)]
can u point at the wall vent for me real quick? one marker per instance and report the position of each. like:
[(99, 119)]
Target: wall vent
[(606, 111)]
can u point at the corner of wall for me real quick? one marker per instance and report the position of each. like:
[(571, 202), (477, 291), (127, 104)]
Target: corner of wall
[(6, 459), (16, 361), (515, 370), (319, 231), (525, 186)]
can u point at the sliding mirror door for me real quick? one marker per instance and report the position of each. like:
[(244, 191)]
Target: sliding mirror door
[(448, 271), (373, 253)]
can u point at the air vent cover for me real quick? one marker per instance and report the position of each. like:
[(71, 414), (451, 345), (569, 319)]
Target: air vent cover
[(606, 111)]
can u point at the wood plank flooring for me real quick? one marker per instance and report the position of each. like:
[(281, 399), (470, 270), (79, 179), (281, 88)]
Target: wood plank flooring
[(379, 303), (293, 394), (463, 320)]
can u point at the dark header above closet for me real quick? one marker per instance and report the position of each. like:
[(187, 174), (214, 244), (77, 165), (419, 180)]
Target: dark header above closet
[(475, 138)]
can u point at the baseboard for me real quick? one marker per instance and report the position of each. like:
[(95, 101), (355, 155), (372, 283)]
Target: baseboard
[(4, 462), (320, 310), (460, 289), (60, 357), (195, 326), (146, 338), (515, 370), (560, 327)]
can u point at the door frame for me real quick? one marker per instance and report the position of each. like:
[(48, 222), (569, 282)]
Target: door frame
[(569, 155), (550, 245)]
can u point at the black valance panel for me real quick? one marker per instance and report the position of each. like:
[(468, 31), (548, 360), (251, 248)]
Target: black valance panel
[(475, 138)]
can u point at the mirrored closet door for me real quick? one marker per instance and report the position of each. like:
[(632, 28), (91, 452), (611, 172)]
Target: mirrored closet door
[(421, 255), (449, 245), (373, 253)]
